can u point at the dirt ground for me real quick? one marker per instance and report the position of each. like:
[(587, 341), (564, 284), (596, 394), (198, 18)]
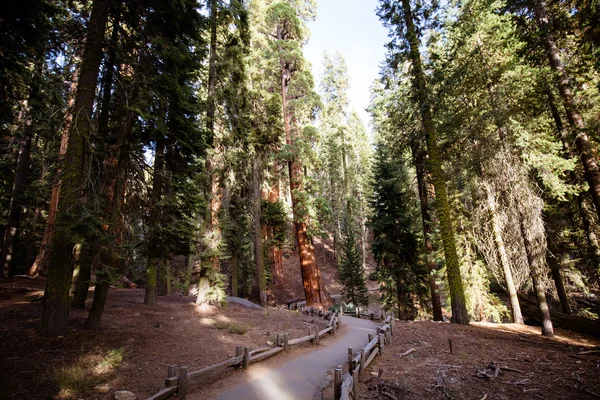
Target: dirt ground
[(132, 349), (531, 366)]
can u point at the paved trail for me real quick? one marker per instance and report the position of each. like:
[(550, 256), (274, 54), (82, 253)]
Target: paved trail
[(299, 379)]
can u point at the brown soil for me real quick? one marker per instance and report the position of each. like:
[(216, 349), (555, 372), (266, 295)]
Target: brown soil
[(535, 367), (176, 331)]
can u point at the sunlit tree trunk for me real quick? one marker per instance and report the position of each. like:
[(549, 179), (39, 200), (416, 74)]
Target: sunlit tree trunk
[(41, 260), (314, 292), (56, 298), (457, 293), (503, 258), (590, 166), (535, 259)]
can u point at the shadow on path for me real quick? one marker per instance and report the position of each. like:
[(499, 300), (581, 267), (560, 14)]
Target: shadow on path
[(299, 379)]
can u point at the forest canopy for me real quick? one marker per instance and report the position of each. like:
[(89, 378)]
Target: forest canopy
[(185, 146)]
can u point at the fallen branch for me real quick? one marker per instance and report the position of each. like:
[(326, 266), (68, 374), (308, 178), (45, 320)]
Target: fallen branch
[(523, 382), (491, 372), (511, 369), (444, 365), (407, 352), (583, 353)]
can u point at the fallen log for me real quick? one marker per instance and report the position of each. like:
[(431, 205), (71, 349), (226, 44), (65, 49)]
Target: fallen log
[(531, 313)]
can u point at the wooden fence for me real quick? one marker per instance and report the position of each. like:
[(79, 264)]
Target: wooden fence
[(346, 386), (179, 380)]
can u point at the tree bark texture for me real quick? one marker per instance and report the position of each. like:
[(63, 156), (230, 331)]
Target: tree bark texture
[(276, 252), (457, 293), (56, 299)]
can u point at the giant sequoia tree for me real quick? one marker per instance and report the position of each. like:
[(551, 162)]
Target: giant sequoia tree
[(297, 98)]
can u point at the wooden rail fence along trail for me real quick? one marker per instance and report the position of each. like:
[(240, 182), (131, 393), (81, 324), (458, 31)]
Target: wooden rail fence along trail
[(346, 386), (179, 380)]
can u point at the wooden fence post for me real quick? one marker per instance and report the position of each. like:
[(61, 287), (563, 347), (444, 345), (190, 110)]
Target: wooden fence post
[(334, 326), (388, 336), (337, 383), (362, 360), (355, 384), (350, 357), (316, 334), (371, 336), (171, 371), (246, 357), (286, 344), (381, 342), (182, 383)]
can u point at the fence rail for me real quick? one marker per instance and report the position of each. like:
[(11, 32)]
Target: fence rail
[(179, 381), (346, 385)]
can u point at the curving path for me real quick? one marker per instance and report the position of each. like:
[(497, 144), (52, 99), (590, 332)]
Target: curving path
[(299, 379)]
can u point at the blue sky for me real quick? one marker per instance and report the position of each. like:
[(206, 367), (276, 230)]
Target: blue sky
[(352, 28)]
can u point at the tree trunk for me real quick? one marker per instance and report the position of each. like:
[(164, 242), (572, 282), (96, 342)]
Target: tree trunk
[(41, 260), (423, 186), (534, 259), (116, 181), (188, 272), (16, 205), (314, 292), (84, 263), (234, 275), (56, 299), (590, 166), (107, 76), (15, 209), (258, 243), (560, 285), (276, 252), (154, 255), (457, 293), (590, 235), (503, 258)]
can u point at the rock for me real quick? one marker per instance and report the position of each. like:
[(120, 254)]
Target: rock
[(243, 302), (102, 388), (124, 395)]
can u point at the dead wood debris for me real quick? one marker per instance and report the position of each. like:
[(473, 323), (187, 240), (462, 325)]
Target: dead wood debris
[(491, 372), (385, 390), (407, 352)]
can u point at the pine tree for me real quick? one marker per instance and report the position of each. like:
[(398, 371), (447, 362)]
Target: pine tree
[(394, 242), (350, 268)]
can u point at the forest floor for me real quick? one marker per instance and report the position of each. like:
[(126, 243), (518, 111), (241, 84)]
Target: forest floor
[(132, 349), (532, 367)]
